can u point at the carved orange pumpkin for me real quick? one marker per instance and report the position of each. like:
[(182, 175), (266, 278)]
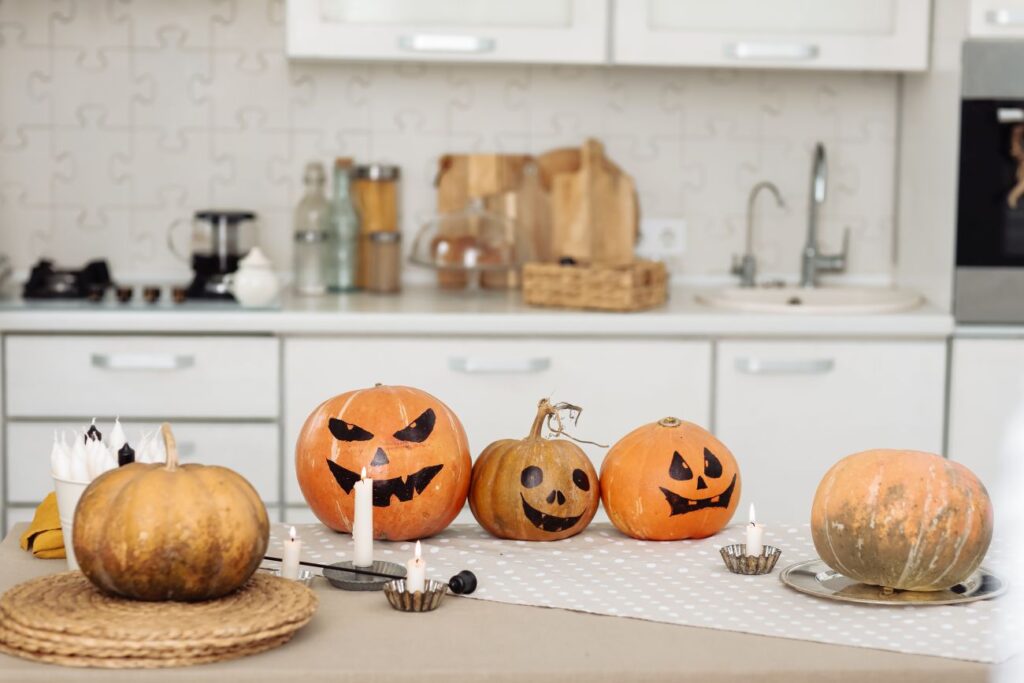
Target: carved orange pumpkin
[(412, 446), (534, 489), (165, 531), (669, 480), (901, 519)]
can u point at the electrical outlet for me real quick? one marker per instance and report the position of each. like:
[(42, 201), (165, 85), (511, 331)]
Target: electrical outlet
[(661, 237)]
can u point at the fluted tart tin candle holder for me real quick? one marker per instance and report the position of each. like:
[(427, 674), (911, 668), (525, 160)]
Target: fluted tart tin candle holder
[(738, 562), (426, 601)]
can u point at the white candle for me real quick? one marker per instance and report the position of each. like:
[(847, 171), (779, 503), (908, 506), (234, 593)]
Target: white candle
[(290, 559), (362, 522), (416, 572), (755, 535)]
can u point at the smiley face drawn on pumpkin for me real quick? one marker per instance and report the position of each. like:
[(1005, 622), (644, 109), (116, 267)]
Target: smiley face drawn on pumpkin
[(412, 446), (532, 477), (402, 488), (680, 470)]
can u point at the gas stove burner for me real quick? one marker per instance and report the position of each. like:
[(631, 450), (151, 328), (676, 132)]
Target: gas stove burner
[(47, 282)]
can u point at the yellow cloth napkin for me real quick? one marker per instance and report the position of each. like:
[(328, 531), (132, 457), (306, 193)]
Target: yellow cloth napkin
[(43, 538)]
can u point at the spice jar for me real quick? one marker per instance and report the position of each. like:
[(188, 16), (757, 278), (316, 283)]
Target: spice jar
[(384, 262), (375, 190)]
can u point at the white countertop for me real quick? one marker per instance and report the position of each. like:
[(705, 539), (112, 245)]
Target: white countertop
[(429, 311)]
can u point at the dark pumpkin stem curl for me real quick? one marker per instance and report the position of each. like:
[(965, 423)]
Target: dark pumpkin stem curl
[(553, 418)]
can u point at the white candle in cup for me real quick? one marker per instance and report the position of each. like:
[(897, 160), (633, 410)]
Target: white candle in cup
[(416, 572), (290, 558), (755, 535), (362, 522)]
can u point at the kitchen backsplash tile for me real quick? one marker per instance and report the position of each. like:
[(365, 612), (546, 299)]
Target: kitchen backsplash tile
[(117, 118)]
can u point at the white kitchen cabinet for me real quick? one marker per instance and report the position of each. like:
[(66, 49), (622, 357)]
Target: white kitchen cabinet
[(789, 410), (548, 31), (141, 376), (251, 449), (986, 411), (996, 19), (493, 385), (883, 35)]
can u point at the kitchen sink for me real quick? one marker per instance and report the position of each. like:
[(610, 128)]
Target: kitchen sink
[(816, 300)]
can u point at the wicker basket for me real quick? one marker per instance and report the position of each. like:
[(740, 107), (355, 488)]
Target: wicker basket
[(638, 286)]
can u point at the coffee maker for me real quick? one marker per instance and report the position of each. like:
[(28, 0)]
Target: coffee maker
[(219, 239)]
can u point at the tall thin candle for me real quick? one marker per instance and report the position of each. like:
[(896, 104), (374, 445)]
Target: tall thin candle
[(362, 524)]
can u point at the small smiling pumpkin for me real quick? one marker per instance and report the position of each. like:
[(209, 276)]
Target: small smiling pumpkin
[(534, 489), (670, 480), (412, 446)]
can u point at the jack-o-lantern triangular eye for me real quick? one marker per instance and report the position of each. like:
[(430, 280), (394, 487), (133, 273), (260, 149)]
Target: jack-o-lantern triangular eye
[(712, 465), (679, 470), (345, 431), (419, 429)]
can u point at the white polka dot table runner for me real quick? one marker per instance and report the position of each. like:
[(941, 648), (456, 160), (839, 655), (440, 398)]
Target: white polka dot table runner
[(685, 582)]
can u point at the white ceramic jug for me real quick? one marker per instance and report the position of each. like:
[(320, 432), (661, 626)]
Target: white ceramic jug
[(254, 284)]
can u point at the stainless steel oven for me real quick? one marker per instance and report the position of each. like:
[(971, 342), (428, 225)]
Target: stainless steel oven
[(989, 283)]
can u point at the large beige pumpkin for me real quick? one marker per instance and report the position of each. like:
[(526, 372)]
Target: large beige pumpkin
[(901, 519), (166, 531)]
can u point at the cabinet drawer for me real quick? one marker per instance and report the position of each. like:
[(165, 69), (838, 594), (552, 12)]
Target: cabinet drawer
[(249, 449), (997, 19), (789, 410), (148, 377), (494, 385)]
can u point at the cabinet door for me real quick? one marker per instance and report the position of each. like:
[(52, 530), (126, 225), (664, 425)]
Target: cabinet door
[(986, 410), (789, 410), (886, 35), (551, 31), (997, 18), (494, 385)]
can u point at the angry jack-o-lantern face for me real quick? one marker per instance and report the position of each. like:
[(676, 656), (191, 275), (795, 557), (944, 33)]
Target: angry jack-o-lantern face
[(670, 480), (534, 489), (412, 446)]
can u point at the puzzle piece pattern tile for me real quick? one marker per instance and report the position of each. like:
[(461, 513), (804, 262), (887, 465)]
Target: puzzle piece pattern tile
[(118, 118)]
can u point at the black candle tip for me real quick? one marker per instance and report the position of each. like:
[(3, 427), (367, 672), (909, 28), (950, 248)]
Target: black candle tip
[(93, 434), (125, 456)]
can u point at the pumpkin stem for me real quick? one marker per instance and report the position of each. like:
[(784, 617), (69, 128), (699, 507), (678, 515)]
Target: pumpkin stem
[(170, 446), (544, 409)]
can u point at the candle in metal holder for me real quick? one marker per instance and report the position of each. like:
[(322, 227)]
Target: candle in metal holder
[(305, 576), (738, 562), (428, 599)]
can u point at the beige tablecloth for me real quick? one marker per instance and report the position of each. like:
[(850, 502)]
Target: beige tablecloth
[(358, 637)]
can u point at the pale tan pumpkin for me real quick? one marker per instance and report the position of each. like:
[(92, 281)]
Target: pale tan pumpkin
[(534, 489), (166, 531), (901, 519)]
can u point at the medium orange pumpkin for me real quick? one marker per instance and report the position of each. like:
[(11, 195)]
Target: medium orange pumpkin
[(534, 489), (164, 531), (670, 480), (901, 519), (412, 446)]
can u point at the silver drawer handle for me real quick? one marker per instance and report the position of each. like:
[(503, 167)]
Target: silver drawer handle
[(788, 51), (1005, 17), (810, 366), (141, 361), (479, 366), (1009, 114), (433, 42)]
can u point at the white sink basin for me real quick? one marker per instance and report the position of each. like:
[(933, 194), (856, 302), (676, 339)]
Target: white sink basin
[(814, 301)]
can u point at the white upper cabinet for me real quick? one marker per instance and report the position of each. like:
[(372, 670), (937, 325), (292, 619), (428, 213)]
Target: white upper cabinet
[(997, 18), (877, 35), (544, 31)]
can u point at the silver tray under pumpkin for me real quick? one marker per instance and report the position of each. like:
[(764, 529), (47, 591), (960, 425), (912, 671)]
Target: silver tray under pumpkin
[(814, 577)]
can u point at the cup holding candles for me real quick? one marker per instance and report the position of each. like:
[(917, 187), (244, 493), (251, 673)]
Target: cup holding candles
[(752, 557)]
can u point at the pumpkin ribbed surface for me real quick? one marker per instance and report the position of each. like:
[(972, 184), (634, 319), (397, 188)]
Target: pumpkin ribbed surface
[(169, 532), (670, 480), (534, 489), (901, 519), (412, 446)]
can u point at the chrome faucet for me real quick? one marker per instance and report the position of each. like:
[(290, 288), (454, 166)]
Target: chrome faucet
[(812, 260), (745, 265)]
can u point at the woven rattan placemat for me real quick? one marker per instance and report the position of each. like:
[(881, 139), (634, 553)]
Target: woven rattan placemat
[(64, 619)]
